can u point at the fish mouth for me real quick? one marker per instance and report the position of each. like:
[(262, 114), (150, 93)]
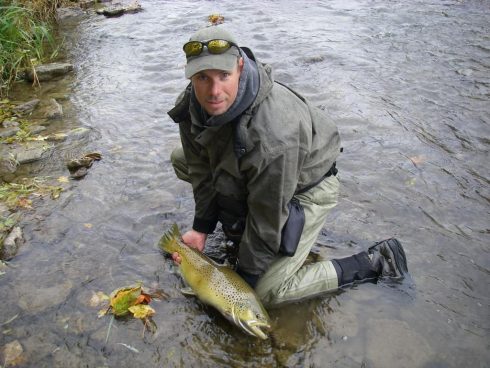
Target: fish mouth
[(251, 326), (254, 328)]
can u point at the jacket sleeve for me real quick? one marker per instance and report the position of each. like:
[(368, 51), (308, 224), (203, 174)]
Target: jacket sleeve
[(205, 215), (271, 185)]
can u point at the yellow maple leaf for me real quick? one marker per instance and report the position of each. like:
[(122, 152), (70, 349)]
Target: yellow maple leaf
[(142, 311)]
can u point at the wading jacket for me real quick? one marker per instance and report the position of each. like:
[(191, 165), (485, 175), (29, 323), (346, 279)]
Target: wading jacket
[(250, 168)]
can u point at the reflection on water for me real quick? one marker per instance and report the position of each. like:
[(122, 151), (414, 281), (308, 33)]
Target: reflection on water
[(408, 84)]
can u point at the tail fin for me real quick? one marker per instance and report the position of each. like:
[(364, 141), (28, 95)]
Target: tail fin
[(168, 241)]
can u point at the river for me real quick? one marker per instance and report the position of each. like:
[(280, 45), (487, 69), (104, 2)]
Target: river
[(408, 84)]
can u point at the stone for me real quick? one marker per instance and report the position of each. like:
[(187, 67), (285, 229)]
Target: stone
[(54, 110), (77, 133), (31, 152), (13, 354), (10, 123), (118, 10), (11, 243), (36, 129), (34, 299), (48, 72), (26, 108), (63, 14), (8, 132), (85, 4)]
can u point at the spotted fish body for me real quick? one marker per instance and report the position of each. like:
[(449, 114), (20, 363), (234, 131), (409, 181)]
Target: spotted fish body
[(218, 286)]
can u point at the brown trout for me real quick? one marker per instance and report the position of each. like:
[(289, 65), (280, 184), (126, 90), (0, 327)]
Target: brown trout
[(218, 286)]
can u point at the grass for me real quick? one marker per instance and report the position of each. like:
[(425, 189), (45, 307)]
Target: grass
[(26, 38)]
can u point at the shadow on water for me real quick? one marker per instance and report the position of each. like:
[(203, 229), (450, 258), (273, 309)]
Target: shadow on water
[(408, 85)]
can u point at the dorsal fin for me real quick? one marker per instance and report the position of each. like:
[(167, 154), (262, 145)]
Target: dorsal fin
[(169, 238), (175, 231)]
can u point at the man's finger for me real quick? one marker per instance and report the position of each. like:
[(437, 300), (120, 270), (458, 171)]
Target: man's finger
[(176, 257)]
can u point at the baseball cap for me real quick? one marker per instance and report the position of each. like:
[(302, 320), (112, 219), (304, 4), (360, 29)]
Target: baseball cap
[(205, 60)]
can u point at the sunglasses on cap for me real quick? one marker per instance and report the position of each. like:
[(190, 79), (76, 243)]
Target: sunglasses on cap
[(215, 47)]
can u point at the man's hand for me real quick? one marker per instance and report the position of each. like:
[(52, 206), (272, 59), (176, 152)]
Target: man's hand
[(193, 239)]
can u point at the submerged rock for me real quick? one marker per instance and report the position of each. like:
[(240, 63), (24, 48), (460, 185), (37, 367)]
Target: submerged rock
[(11, 243), (54, 110), (12, 354), (26, 108), (34, 299), (47, 72)]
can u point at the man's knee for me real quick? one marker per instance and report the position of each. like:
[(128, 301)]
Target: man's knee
[(179, 164)]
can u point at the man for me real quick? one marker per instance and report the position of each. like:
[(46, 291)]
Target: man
[(261, 161)]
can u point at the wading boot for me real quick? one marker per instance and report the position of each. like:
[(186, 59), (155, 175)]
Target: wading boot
[(388, 259), (384, 259)]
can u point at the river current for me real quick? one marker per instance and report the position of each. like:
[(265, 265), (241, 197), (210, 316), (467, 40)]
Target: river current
[(407, 83)]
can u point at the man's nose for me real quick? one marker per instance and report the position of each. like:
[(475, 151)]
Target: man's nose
[(215, 88)]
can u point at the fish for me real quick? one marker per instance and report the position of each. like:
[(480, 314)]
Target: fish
[(218, 286)]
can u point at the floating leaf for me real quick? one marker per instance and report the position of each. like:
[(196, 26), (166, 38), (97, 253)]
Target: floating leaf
[(142, 311), (122, 299), (63, 179), (87, 225), (216, 19)]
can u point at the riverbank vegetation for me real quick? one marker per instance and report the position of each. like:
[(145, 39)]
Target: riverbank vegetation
[(26, 37)]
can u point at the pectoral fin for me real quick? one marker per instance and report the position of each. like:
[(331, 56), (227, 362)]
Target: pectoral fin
[(188, 291)]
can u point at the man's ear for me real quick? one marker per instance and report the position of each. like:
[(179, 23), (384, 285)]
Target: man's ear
[(240, 64)]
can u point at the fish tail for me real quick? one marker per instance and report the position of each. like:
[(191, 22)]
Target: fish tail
[(169, 241)]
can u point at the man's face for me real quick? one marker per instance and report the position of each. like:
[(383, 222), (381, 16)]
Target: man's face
[(216, 90)]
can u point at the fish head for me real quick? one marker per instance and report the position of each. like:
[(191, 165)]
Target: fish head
[(251, 317)]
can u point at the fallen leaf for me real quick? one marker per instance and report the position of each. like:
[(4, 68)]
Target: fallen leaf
[(216, 19), (142, 311), (143, 299), (123, 298), (63, 179), (24, 203), (87, 225)]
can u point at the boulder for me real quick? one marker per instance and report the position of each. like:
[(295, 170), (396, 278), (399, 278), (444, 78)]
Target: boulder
[(47, 72)]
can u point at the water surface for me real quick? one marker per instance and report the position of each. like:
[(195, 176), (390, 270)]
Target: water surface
[(408, 85)]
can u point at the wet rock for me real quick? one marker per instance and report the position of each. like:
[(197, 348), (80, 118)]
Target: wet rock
[(118, 10), (10, 123), (8, 132), (30, 152), (12, 354), (79, 167), (53, 110), (85, 4), (26, 108), (34, 299), (36, 129), (68, 13), (78, 133), (111, 11), (11, 243), (8, 163), (48, 72)]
